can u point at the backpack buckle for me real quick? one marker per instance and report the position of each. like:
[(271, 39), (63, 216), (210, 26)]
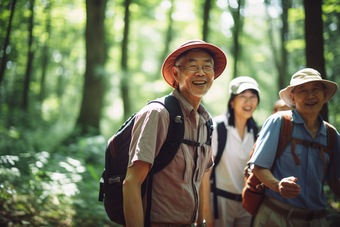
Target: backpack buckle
[(115, 180), (178, 119)]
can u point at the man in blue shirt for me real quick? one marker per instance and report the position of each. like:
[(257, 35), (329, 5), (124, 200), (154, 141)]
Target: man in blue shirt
[(294, 193)]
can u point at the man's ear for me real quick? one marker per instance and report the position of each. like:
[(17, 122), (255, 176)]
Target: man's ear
[(325, 92), (175, 75), (175, 72), (292, 98)]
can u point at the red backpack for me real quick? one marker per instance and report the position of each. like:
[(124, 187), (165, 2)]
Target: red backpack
[(252, 197)]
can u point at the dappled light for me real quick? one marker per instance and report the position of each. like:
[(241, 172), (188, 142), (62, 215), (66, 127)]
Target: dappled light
[(71, 72)]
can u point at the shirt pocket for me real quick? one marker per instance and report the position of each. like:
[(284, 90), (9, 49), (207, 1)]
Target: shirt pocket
[(322, 162), (202, 161), (288, 157), (177, 168)]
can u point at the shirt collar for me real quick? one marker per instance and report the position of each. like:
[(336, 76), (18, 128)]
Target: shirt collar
[(188, 108), (297, 119)]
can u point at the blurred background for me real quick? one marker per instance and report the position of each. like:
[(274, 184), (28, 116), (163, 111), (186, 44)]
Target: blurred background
[(73, 71)]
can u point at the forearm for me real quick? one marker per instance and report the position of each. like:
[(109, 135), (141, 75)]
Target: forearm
[(132, 200), (287, 187), (206, 191), (133, 208), (266, 177), (207, 211), (200, 205)]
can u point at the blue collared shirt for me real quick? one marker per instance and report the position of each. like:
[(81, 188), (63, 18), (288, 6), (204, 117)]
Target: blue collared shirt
[(311, 178)]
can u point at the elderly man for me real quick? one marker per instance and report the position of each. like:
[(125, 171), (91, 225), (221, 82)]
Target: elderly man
[(190, 70), (294, 194)]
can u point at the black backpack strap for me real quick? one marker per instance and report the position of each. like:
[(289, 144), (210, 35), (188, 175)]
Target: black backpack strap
[(169, 148), (174, 137), (210, 128), (252, 126), (221, 142)]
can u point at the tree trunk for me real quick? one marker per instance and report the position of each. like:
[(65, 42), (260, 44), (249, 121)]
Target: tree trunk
[(280, 53), (6, 43), (125, 76), (168, 37), (238, 24), (314, 41), (286, 4), (207, 7), (45, 55), (92, 102), (29, 60)]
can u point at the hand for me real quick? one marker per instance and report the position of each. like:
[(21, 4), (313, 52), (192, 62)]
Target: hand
[(288, 188), (261, 187)]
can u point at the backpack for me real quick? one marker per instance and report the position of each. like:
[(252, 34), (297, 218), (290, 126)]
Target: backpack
[(117, 157), (222, 133), (252, 197)]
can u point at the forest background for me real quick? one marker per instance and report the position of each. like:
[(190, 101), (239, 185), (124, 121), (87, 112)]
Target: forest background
[(73, 71)]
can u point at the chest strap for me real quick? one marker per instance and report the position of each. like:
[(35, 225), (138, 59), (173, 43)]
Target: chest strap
[(322, 149)]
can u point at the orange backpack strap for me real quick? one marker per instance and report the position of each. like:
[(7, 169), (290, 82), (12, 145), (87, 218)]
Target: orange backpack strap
[(286, 131), (331, 137), (285, 135)]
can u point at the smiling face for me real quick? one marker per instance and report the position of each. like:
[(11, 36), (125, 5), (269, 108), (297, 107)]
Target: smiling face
[(244, 104), (194, 84), (309, 98)]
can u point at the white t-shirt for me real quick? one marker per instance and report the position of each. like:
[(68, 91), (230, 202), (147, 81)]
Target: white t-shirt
[(229, 171)]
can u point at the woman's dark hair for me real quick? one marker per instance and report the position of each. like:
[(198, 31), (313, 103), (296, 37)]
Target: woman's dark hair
[(231, 113)]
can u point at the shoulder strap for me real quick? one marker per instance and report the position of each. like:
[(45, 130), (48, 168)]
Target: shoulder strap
[(331, 138), (174, 136), (222, 133), (210, 129), (285, 135), (331, 135)]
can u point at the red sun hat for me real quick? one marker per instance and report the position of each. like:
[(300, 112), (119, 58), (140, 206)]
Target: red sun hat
[(220, 60)]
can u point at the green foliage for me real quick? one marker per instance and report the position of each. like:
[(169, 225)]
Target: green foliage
[(333, 208), (29, 193), (55, 187)]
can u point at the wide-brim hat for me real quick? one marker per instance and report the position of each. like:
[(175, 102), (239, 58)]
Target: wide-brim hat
[(242, 83), (220, 60), (304, 76)]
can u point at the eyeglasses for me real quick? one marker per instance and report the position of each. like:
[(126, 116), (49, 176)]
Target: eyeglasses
[(195, 68)]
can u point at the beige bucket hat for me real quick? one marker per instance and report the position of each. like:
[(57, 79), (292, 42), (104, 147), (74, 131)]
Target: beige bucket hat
[(242, 83), (304, 76)]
